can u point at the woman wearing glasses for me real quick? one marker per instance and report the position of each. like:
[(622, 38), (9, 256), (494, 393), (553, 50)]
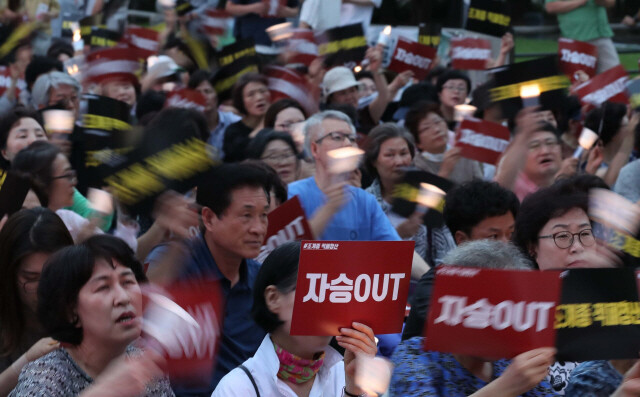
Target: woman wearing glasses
[(27, 240), (53, 182), (453, 88), (277, 150), (553, 228)]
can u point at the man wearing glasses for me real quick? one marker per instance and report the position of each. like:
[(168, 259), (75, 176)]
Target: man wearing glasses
[(336, 210)]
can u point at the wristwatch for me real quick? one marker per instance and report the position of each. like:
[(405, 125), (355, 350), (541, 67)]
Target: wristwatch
[(345, 393)]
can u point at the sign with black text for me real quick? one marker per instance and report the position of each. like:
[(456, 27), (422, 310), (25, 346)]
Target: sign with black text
[(492, 17), (343, 45)]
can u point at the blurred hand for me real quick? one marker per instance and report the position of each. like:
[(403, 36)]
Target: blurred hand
[(506, 44), (630, 386), (40, 348), (451, 158), (358, 340), (261, 8), (594, 159), (127, 376), (628, 20), (410, 226), (527, 370), (174, 212), (401, 80), (374, 55), (568, 167)]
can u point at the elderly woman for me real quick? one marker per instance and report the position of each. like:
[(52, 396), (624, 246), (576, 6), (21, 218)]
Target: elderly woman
[(429, 129), (287, 365), (389, 152), (429, 373), (89, 299), (27, 240), (277, 150), (54, 88), (251, 96)]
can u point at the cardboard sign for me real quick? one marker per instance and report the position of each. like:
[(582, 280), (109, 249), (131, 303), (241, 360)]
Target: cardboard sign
[(577, 56), (302, 47), (184, 324), (113, 63), (101, 38), (144, 40), (492, 17), (286, 223), (343, 45), (187, 99), (606, 86), (405, 196), (13, 191), (234, 61), (491, 313), (429, 34), (20, 35), (340, 282), (598, 305), (470, 54), (288, 83), (102, 146), (411, 55), (482, 140), (215, 21)]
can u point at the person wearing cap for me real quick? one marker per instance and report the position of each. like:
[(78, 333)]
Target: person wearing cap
[(586, 20), (341, 88), (161, 69)]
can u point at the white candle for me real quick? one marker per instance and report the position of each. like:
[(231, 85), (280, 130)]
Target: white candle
[(530, 95), (58, 121), (385, 37), (344, 160), (586, 141), (430, 196), (462, 111)]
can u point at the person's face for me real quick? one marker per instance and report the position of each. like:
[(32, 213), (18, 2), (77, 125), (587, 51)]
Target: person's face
[(23, 134), (279, 155), (543, 157), (549, 256), (66, 94), (109, 306), (241, 228), (432, 134), (256, 98), (547, 116), (121, 90), (206, 89), (287, 118), (62, 57), (23, 58), (63, 184), (498, 228), (283, 308), (348, 96), (394, 156), (28, 278), (367, 87), (333, 134), (454, 92)]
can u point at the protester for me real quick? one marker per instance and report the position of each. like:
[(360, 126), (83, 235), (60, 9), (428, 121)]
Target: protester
[(57, 88), (283, 114), (89, 299), (217, 120), (389, 153), (429, 129), (278, 151), (358, 11), (252, 18), (293, 365), (235, 202), (27, 239), (453, 88), (251, 97), (430, 373), (476, 210)]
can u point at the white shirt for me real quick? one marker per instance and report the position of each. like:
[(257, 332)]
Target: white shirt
[(321, 14), (355, 13), (264, 366)]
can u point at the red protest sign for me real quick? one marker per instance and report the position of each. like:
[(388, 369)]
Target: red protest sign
[(470, 54), (302, 47), (142, 39), (215, 21), (606, 86), (492, 313), (577, 55), (288, 83), (411, 55), (184, 324), (187, 99), (482, 140), (340, 282), (286, 223)]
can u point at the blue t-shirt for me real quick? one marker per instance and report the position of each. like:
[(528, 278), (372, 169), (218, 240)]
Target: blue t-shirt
[(360, 219), (428, 373), (241, 336), (593, 379), (253, 26)]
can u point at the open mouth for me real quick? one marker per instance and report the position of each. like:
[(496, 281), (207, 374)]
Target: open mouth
[(125, 318), (546, 161)]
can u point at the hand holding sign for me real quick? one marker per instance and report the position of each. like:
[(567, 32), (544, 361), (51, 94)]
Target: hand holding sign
[(526, 371), (358, 341)]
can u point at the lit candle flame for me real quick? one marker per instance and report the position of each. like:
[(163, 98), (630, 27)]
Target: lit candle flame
[(357, 69), (76, 35), (430, 196), (387, 30), (529, 91)]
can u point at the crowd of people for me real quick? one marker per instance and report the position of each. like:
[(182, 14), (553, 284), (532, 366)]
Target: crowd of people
[(71, 306)]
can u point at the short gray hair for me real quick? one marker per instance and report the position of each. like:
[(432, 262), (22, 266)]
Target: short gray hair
[(314, 122), (42, 87), (488, 254)]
